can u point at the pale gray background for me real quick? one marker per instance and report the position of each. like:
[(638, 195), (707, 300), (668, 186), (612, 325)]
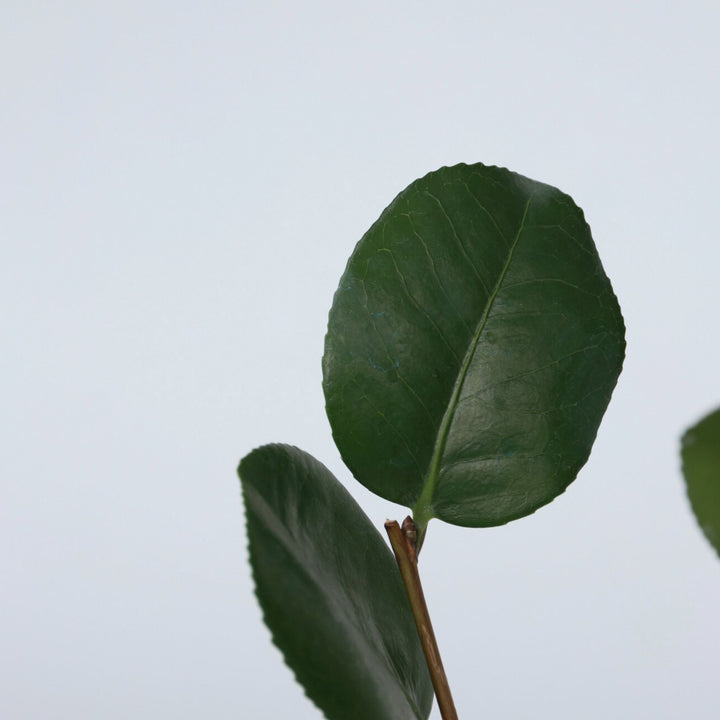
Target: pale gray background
[(180, 186)]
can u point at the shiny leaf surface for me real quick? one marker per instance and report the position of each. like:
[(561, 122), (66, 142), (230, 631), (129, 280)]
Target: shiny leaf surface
[(701, 467), (330, 591), (472, 348)]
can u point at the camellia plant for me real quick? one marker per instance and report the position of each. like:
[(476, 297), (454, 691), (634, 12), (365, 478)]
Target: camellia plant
[(472, 349)]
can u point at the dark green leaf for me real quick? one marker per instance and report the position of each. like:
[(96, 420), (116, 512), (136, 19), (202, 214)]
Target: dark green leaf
[(472, 348), (330, 591), (701, 467)]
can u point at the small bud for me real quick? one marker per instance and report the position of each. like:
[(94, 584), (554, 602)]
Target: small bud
[(409, 530)]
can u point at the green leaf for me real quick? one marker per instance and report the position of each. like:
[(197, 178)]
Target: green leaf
[(701, 467), (472, 348), (330, 591)]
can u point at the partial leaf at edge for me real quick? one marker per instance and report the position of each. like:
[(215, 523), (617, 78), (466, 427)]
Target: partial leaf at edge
[(330, 591), (472, 348), (701, 468)]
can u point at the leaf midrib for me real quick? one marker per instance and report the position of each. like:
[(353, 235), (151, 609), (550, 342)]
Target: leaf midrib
[(423, 509)]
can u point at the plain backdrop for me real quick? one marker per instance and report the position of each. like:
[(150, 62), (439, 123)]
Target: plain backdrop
[(180, 187)]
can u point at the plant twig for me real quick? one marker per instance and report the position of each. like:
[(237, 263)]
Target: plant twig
[(403, 541)]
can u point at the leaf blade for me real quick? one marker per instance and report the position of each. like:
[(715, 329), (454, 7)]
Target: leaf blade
[(701, 469), (433, 289), (330, 591)]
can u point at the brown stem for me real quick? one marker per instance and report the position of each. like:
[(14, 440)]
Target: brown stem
[(403, 543)]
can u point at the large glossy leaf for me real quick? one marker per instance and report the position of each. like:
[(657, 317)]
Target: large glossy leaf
[(701, 467), (472, 348), (330, 591)]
